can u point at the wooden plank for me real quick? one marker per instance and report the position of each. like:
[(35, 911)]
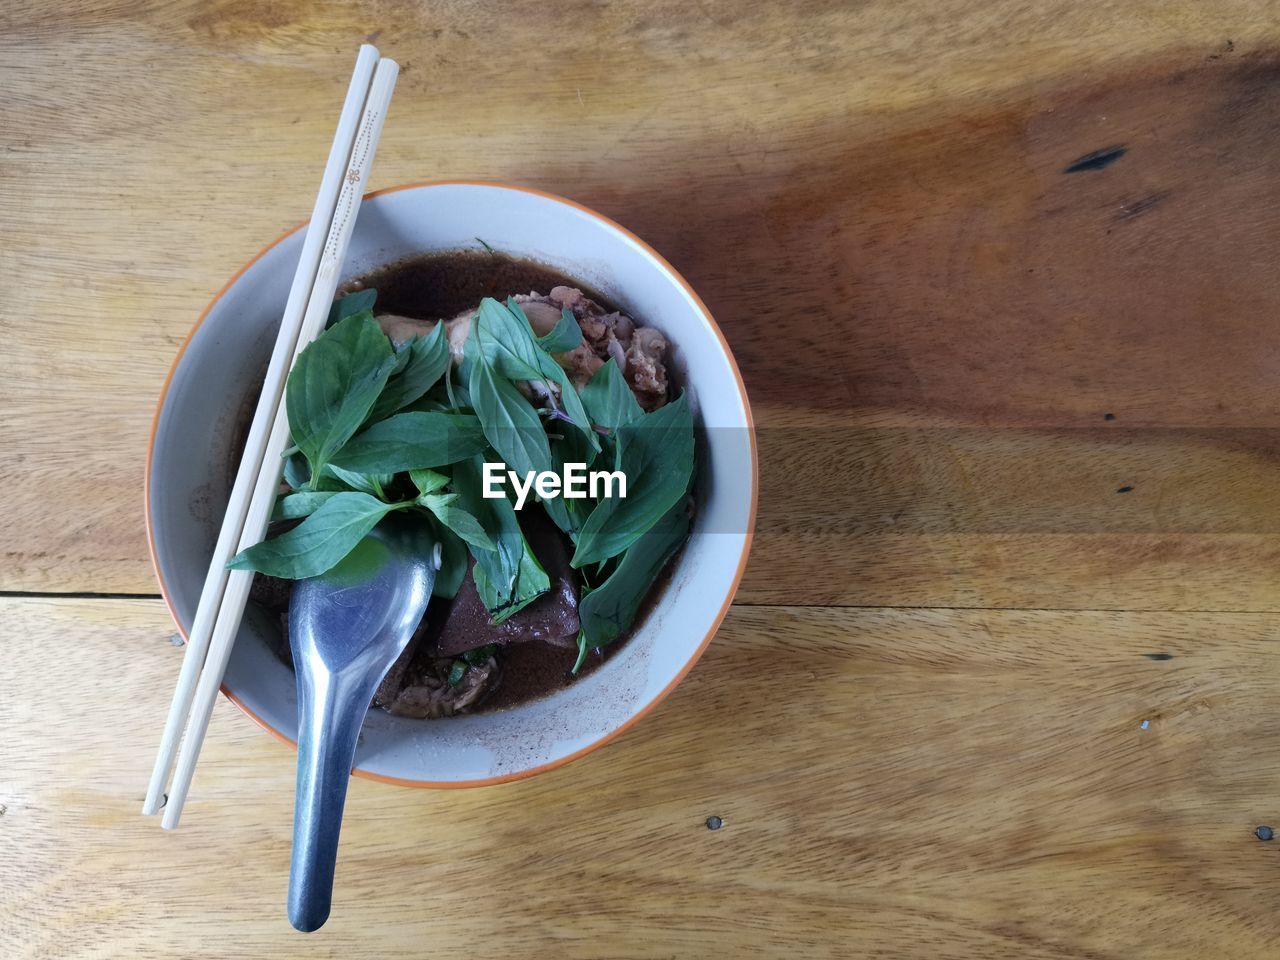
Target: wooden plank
[(924, 783), (870, 197)]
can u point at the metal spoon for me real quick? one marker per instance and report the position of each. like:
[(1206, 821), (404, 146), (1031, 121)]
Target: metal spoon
[(346, 628)]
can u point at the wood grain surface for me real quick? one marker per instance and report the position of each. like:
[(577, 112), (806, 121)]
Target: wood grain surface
[(1001, 278), (871, 200), (891, 783)]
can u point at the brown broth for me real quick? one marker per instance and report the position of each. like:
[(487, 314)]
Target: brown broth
[(439, 285)]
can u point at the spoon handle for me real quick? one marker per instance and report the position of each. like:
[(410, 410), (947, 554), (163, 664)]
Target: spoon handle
[(331, 708)]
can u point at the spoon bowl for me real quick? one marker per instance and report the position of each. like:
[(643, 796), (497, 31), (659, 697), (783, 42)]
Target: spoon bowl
[(346, 628)]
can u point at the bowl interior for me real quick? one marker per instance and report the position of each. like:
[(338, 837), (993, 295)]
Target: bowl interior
[(214, 386)]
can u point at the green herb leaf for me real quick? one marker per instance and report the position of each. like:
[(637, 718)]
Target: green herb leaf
[(456, 672), (480, 655), (456, 519), (320, 541), (370, 483), (427, 481), (427, 358), (584, 645), (529, 576), (457, 395), (300, 504), (608, 611), (572, 447), (453, 561), (350, 305), (574, 409), (508, 577), (333, 386), (565, 336), (296, 471), (412, 441), (505, 339), (608, 398), (402, 353), (298, 476), (656, 454), (503, 336), (514, 429)]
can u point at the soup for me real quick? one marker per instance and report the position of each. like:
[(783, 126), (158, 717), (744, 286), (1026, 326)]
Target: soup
[(476, 648)]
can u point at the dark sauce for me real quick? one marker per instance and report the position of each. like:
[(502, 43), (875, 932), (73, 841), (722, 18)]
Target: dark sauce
[(438, 286)]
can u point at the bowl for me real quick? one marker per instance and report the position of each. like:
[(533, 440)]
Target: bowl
[(212, 389)]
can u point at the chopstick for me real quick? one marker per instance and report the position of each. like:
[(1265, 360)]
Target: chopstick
[(268, 482), (272, 390), (257, 482)]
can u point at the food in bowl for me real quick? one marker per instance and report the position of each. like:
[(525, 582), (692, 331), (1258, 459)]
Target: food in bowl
[(217, 377), (436, 366)]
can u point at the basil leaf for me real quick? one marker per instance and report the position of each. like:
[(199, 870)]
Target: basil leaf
[(300, 504), (298, 475), (333, 386), (412, 441), (656, 454), (456, 519), (514, 429), (505, 339), (529, 575), (572, 447), (479, 655), (370, 483), (319, 542), (350, 305), (498, 519), (572, 404), (583, 648), (565, 336), (608, 398), (508, 577), (455, 393), (427, 358), (427, 481), (453, 562), (608, 611), (296, 471), (402, 353)]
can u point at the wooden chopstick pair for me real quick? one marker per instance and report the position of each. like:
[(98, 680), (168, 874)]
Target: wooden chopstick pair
[(253, 494)]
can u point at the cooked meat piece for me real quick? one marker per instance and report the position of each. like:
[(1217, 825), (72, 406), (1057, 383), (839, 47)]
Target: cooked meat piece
[(400, 330), (645, 370), (553, 617), (457, 330), (427, 692), (581, 363), (623, 328), (543, 317), (639, 351), (598, 327), (618, 353)]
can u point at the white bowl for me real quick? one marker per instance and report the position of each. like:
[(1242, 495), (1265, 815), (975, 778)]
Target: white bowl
[(213, 386)]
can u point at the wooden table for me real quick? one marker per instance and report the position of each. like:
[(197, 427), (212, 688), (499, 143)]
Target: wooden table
[(1001, 680)]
